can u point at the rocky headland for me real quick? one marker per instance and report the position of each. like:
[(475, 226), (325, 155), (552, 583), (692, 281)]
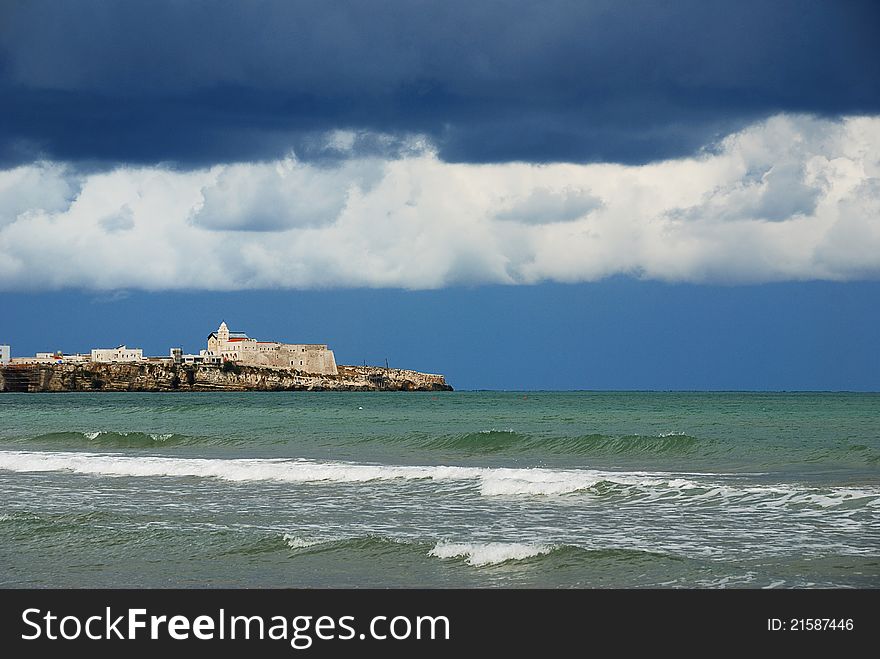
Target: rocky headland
[(167, 376)]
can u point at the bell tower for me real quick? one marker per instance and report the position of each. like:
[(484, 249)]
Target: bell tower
[(223, 334)]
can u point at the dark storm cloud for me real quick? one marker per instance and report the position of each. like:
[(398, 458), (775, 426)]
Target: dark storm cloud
[(201, 82)]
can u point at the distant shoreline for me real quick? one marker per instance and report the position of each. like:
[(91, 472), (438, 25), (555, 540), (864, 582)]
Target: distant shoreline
[(165, 377)]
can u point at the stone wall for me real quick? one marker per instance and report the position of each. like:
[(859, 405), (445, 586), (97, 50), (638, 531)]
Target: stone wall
[(308, 358)]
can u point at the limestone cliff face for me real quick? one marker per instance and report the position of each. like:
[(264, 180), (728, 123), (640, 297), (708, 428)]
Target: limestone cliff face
[(165, 376)]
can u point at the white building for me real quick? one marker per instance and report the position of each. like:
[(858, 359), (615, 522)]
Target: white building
[(5, 355), (117, 354), (59, 357), (239, 347), (76, 358), (204, 357), (39, 358)]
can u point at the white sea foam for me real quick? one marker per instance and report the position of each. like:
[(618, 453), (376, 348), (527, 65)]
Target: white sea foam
[(499, 482), (97, 433), (296, 542), (488, 553), (778, 496), (248, 469), (159, 437), (774, 584), (491, 481)]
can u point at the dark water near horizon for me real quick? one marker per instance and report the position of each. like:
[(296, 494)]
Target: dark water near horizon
[(460, 489)]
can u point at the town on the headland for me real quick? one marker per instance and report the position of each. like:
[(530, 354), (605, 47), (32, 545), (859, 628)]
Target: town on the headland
[(231, 361)]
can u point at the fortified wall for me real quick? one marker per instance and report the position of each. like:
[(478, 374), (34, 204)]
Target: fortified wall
[(239, 347)]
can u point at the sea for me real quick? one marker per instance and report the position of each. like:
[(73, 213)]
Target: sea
[(445, 489)]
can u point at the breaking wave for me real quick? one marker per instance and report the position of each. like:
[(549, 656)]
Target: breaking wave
[(492, 481), (493, 441), (474, 554), (371, 545), (113, 439), (489, 553), (296, 542), (619, 486)]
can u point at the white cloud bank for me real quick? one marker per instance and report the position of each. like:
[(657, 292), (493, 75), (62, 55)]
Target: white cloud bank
[(789, 198)]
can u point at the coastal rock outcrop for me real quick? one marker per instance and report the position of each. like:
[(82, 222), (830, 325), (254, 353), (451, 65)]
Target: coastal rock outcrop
[(167, 376)]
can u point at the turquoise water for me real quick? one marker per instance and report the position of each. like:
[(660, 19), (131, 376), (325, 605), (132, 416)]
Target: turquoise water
[(480, 489)]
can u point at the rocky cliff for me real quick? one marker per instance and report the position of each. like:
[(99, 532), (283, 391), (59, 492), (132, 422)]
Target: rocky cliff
[(166, 376)]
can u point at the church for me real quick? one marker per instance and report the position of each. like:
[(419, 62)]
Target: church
[(238, 347)]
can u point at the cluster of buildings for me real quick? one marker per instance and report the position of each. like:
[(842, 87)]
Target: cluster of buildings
[(223, 346)]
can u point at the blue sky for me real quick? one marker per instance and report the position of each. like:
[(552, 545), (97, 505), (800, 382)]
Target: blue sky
[(520, 195)]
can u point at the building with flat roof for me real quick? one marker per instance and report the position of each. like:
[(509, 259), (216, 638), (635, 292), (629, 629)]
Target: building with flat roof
[(117, 354), (5, 355)]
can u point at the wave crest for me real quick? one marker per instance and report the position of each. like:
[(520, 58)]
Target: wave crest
[(112, 439), (489, 553), (622, 486), (495, 441)]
